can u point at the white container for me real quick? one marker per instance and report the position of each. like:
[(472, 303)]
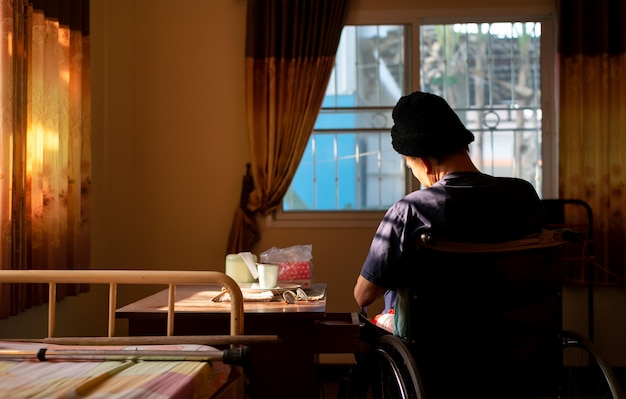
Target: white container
[(237, 269)]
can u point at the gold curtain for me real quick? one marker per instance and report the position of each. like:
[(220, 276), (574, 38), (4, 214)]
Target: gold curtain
[(45, 175), (592, 124), (290, 53)]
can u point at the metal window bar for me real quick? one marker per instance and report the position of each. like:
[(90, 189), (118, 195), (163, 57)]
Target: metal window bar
[(336, 161), (379, 160), (512, 63), (359, 177)]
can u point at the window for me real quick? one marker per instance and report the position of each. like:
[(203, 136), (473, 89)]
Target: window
[(490, 73)]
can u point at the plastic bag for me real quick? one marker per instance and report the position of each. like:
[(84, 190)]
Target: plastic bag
[(294, 263), (296, 253)]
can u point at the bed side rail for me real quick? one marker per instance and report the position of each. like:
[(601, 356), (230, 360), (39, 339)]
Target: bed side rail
[(112, 278)]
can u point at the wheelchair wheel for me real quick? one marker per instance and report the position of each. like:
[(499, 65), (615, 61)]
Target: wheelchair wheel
[(387, 371), (587, 374)]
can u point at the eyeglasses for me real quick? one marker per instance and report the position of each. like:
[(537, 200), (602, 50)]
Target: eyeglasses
[(296, 295)]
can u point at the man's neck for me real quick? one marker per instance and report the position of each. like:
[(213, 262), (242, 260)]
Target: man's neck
[(456, 163)]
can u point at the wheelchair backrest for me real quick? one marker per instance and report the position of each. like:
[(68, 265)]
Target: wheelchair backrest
[(484, 320)]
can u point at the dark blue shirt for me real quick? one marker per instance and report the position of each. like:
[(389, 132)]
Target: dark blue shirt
[(463, 206)]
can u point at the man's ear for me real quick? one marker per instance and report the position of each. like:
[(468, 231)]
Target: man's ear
[(428, 164)]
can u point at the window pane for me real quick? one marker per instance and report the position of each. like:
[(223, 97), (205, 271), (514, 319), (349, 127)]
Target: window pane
[(490, 74)]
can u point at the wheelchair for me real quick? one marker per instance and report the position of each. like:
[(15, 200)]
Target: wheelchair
[(481, 321)]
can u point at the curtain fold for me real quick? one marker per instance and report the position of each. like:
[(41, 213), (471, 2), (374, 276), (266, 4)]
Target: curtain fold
[(290, 54), (592, 125), (45, 159)]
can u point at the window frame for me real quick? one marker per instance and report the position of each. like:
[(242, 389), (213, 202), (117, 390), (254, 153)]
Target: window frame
[(412, 20)]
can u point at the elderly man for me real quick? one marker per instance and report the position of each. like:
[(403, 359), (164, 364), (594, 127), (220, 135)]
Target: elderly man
[(458, 202)]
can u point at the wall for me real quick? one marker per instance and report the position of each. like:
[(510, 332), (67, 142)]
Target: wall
[(170, 147)]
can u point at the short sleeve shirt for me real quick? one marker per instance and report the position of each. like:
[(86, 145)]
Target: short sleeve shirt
[(462, 206)]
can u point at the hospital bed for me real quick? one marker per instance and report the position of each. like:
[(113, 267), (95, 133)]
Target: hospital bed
[(165, 366)]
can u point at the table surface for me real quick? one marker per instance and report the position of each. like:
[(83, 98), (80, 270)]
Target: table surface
[(199, 299), (295, 324)]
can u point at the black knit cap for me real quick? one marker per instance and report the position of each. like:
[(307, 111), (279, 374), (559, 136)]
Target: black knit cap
[(426, 126)]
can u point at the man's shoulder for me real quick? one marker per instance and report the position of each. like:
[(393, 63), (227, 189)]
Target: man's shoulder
[(480, 177), (477, 179)]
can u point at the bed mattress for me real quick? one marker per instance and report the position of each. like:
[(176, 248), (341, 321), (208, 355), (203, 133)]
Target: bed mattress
[(28, 376)]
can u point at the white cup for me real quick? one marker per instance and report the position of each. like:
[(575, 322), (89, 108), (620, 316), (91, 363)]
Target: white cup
[(268, 275)]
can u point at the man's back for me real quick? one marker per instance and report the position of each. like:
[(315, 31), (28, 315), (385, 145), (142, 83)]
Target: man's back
[(475, 207), (463, 206)]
